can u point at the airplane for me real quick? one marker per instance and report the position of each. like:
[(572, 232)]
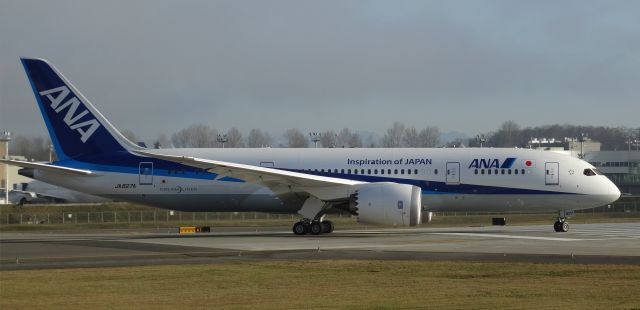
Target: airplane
[(380, 186)]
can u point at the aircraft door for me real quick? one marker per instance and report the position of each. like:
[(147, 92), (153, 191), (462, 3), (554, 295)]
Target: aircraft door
[(453, 173), (146, 173), (267, 164), (551, 176)]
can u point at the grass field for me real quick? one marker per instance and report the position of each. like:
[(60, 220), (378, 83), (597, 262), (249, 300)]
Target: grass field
[(328, 285)]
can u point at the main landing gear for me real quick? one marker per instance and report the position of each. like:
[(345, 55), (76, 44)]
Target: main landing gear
[(312, 227), (561, 225), (313, 212)]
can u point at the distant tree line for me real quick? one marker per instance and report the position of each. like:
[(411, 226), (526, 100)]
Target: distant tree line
[(509, 134)]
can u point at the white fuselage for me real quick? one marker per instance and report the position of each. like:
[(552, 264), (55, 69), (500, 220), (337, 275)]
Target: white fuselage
[(463, 179)]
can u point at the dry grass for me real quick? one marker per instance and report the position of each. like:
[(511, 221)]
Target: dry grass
[(328, 284)]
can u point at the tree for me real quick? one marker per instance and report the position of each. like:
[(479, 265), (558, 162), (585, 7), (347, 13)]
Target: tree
[(329, 139), (393, 136), (162, 142), (195, 136), (234, 137), (295, 138), (33, 148), (355, 140), (429, 137), (257, 138), (343, 138), (411, 137), (458, 142), (347, 138), (507, 136)]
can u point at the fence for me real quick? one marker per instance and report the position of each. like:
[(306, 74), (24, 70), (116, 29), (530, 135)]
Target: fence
[(140, 217)]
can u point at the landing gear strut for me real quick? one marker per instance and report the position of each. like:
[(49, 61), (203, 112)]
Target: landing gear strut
[(561, 225), (315, 227)]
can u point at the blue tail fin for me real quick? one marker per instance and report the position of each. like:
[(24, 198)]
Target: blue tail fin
[(76, 128)]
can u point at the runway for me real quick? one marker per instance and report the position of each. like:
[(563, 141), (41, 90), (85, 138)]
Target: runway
[(584, 243)]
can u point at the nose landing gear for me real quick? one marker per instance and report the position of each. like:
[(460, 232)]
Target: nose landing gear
[(561, 225)]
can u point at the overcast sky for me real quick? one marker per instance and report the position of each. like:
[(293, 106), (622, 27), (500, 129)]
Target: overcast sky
[(158, 66)]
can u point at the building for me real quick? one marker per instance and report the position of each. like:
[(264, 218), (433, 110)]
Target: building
[(622, 167), (570, 146)]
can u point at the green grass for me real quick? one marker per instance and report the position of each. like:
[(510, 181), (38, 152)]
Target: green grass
[(327, 284)]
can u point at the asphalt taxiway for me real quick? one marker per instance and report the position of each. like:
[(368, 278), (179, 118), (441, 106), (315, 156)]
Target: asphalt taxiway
[(584, 243)]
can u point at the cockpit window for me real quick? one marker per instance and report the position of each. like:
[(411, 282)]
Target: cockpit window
[(598, 172), (589, 172)]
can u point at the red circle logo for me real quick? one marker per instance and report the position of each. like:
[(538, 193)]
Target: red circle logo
[(528, 163)]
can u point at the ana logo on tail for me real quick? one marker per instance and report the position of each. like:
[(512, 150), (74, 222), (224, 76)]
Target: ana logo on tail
[(86, 128)]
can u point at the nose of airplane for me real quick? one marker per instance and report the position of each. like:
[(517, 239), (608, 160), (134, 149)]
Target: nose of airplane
[(614, 192)]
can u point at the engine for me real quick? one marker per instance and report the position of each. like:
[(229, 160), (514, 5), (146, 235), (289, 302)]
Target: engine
[(388, 204)]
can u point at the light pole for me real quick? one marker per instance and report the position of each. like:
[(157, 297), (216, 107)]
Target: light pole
[(582, 139), (481, 139), (5, 137), (315, 137), (222, 138)]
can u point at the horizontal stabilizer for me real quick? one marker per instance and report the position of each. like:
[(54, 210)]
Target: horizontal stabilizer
[(47, 167)]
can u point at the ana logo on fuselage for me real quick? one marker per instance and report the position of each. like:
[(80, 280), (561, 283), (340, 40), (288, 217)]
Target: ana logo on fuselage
[(86, 128), (492, 163)]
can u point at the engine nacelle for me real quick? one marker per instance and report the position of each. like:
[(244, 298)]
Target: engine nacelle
[(388, 203)]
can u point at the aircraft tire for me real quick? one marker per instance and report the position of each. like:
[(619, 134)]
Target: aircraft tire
[(315, 228), (564, 227), (300, 228), (327, 227)]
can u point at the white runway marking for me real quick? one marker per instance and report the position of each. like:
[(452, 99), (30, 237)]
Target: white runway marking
[(510, 236)]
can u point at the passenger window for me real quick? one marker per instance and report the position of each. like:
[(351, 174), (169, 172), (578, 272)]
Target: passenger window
[(502, 171), (415, 171), (496, 171), (509, 171), (515, 171), (355, 171), (381, 171), (342, 171), (408, 171), (322, 170), (401, 171), (489, 171), (348, 171), (435, 171), (481, 171), (375, 171), (361, 171), (522, 171), (388, 171), (395, 171), (475, 171)]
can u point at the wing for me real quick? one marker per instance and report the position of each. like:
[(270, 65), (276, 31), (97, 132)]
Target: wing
[(47, 167), (277, 180)]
